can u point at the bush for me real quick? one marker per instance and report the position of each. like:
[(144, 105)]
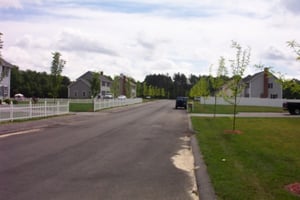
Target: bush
[(7, 101)]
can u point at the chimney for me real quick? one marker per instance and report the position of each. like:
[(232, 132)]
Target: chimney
[(266, 82)]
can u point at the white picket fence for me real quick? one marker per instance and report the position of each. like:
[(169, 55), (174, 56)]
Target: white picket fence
[(247, 101), (27, 111), (100, 104)]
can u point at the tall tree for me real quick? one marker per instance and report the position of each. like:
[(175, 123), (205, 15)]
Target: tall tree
[(238, 67), (56, 70), (180, 85), (95, 84)]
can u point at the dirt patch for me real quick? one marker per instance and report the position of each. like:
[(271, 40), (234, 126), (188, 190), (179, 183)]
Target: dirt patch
[(233, 132), (294, 188)]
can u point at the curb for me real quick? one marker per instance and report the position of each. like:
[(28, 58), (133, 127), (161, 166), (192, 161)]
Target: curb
[(203, 181)]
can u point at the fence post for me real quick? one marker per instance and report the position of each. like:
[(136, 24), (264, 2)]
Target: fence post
[(68, 108), (11, 111), (30, 109), (45, 108), (57, 108), (94, 105)]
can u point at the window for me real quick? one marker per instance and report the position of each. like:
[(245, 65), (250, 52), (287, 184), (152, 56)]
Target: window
[(5, 91), (75, 93), (274, 96), (103, 83), (83, 93), (270, 85)]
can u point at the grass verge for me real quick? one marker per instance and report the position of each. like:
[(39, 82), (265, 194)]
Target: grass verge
[(256, 164), (81, 107), (228, 109)]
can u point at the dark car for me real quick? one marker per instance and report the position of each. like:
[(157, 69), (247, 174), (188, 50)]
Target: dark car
[(181, 102)]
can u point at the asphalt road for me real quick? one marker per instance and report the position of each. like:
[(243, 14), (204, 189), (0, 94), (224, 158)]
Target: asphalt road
[(134, 152)]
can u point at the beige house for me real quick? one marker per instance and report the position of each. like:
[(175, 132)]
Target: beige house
[(81, 88)]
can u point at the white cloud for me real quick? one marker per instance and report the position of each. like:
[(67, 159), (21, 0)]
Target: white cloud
[(174, 36)]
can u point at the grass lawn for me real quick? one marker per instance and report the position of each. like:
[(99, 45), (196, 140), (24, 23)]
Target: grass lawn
[(256, 164), (81, 107), (228, 109)]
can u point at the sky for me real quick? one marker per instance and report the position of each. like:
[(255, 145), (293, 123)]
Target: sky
[(142, 37)]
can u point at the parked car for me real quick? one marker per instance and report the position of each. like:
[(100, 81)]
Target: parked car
[(122, 97), (108, 96), (292, 107), (181, 102)]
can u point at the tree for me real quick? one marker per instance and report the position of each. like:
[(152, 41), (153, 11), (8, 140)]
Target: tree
[(116, 86), (296, 47), (218, 81), (2, 75), (56, 70), (238, 67), (180, 85), (95, 84)]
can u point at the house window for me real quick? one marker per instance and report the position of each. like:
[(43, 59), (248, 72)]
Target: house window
[(83, 93), (274, 96), (270, 85), (75, 94), (5, 91), (103, 83)]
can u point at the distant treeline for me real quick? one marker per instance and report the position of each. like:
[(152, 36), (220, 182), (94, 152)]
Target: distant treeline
[(35, 84), (38, 84)]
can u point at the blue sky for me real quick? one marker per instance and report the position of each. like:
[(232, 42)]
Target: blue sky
[(140, 37)]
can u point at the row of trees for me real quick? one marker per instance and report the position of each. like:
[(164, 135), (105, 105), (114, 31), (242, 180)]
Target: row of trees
[(37, 84)]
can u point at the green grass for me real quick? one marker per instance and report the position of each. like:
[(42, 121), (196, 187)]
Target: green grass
[(228, 109), (259, 162), (81, 107)]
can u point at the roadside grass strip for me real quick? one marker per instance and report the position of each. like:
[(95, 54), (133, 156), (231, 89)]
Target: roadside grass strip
[(258, 163), (228, 109)]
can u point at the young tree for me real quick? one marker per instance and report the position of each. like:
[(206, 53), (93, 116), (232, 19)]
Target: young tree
[(218, 81), (238, 67), (95, 84), (296, 47), (56, 70)]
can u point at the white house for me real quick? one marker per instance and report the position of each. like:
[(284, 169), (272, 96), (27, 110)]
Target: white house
[(5, 71), (262, 85)]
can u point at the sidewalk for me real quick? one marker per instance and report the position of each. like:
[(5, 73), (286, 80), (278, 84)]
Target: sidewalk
[(245, 114)]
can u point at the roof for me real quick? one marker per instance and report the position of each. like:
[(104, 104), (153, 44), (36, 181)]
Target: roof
[(5, 63), (254, 76)]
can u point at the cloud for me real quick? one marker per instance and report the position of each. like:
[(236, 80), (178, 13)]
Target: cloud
[(138, 37), (272, 53), (10, 4), (292, 5), (72, 41)]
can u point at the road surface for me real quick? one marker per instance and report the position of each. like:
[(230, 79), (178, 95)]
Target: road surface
[(135, 152)]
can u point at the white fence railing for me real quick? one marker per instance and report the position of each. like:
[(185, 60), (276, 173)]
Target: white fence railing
[(100, 104), (247, 101), (26, 111)]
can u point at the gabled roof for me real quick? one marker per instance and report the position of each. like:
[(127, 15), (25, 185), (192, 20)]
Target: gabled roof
[(89, 76), (86, 82), (5, 63)]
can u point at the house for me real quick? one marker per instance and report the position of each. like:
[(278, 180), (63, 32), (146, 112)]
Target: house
[(126, 86), (5, 71), (262, 85), (81, 88)]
